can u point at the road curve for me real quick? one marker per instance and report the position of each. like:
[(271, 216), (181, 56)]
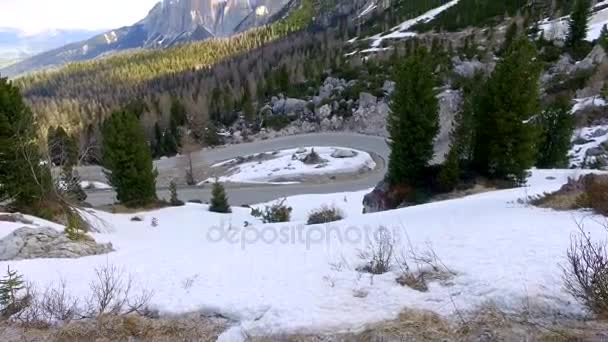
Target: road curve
[(242, 194)]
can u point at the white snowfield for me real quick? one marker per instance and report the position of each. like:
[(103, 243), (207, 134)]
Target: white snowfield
[(282, 168), (280, 278)]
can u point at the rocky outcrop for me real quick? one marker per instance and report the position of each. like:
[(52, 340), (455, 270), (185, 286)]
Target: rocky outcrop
[(343, 153), (33, 243)]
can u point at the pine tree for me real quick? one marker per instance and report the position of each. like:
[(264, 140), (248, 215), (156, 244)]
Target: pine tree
[(510, 36), (127, 158), (174, 201), (23, 178), (70, 180), (413, 120), (62, 148), (578, 26), (556, 126), (603, 39), (505, 139), (219, 200), (10, 286)]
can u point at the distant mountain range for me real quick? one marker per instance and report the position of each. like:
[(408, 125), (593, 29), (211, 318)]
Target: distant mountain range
[(170, 22), (16, 45)]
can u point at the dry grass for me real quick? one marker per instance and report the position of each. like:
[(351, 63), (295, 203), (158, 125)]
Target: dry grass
[(589, 191), (487, 323), (112, 328)]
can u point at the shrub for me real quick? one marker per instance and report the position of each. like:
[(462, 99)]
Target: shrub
[(586, 272), (596, 194), (219, 200), (378, 258), (325, 214), (175, 201), (11, 299), (278, 212)]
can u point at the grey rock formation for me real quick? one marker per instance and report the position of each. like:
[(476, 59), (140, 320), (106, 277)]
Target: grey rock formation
[(33, 243), (367, 100)]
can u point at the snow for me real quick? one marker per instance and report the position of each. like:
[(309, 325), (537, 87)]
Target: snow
[(279, 278), (283, 169), (94, 185), (592, 101), (401, 31), (558, 28), (596, 136)]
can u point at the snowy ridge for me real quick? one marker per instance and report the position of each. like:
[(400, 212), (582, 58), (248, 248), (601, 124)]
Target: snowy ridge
[(401, 31), (558, 28)]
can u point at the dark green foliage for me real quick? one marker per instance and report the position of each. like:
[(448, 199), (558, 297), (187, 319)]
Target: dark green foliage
[(127, 158), (211, 137), (472, 13), (556, 126), (505, 141), (219, 200), (276, 122), (247, 105), (413, 121), (71, 187), (174, 201), (603, 39), (76, 226), (325, 214), (578, 27), (23, 179), (275, 213), (449, 175), (63, 149), (510, 36), (10, 298)]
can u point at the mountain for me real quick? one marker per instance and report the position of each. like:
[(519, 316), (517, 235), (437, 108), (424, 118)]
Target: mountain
[(16, 45), (168, 23)]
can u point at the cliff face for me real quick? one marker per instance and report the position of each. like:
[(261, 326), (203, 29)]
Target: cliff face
[(168, 23)]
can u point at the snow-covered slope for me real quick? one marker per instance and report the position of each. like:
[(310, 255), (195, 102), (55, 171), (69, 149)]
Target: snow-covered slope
[(287, 277), (558, 28)]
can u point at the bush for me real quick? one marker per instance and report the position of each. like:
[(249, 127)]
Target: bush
[(325, 214), (596, 194), (378, 258), (11, 298), (278, 212), (175, 201), (586, 272), (219, 200)]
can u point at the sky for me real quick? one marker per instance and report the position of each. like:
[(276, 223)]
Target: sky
[(34, 16)]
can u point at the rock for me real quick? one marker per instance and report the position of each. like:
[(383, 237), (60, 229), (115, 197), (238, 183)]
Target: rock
[(278, 106), (296, 106), (237, 137), (449, 103), (388, 87), (600, 132), (325, 124), (15, 218), (595, 151), (301, 150), (33, 243), (266, 110), (595, 57), (137, 218), (367, 100), (378, 200), (466, 68), (343, 153), (324, 112)]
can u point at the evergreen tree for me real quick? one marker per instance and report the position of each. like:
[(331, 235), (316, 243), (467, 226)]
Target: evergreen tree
[(505, 139), (413, 119), (127, 158), (211, 137), (219, 200), (578, 26), (556, 127), (174, 201), (23, 178), (10, 286), (449, 174), (247, 105), (510, 36), (603, 39), (62, 148)]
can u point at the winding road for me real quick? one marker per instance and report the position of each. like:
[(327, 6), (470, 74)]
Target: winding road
[(243, 194)]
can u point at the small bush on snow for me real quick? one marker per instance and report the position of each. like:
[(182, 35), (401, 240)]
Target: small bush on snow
[(325, 214), (586, 272), (378, 257), (278, 212)]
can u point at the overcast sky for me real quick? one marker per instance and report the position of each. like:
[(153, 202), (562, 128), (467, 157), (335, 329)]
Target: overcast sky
[(33, 16)]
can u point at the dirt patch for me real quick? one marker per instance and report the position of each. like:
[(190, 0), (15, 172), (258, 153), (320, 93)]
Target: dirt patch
[(589, 191)]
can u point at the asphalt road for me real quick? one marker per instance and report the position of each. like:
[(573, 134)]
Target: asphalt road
[(242, 194)]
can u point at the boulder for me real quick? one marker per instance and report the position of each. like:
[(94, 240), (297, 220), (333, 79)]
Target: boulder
[(33, 243), (294, 106), (388, 87), (15, 218), (595, 57), (343, 153), (378, 200), (367, 100), (324, 112), (595, 151)]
